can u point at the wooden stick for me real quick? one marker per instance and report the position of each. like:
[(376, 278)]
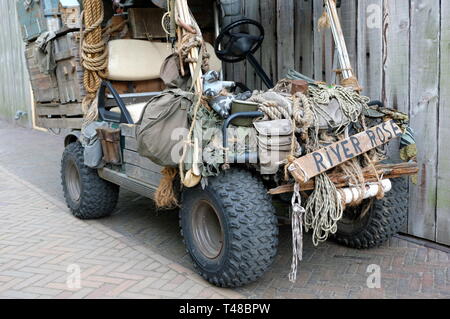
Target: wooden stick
[(385, 171), (185, 15), (338, 35)]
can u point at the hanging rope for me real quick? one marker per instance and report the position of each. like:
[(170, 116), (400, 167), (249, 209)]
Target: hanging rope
[(93, 56), (323, 210), (165, 196), (297, 232)]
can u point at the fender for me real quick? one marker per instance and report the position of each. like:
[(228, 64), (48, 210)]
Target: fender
[(72, 137)]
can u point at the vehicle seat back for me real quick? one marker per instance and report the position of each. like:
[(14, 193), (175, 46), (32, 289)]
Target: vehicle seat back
[(139, 60)]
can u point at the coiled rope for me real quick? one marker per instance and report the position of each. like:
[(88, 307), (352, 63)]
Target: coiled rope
[(350, 101), (94, 56), (300, 112)]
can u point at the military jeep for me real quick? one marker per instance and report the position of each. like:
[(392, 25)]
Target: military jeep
[(230, 221)]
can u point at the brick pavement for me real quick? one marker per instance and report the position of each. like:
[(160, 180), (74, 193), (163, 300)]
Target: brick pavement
[(40, 242), (138, 252)]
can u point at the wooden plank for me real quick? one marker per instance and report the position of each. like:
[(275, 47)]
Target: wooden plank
[(69, 71), (268, 48), (228, 68), (395, 91), (388, 171), (304, 37), (320, 161), (239, 68), (145, 23), (424, 93), (135, 159), (349, 18), (443, 186), (285, 37), (323, 46), (15, 92), (68, 123), (67, 109), (142, 175), (45, 86), (370, 44), (396, 55), (251, 9)]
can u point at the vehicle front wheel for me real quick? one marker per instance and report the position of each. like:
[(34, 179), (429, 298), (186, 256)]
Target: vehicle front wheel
[(230, 229), (87, 195)]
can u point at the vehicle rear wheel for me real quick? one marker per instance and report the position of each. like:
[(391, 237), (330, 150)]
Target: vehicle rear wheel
[(363, 229), (230, 229), (87, 195)]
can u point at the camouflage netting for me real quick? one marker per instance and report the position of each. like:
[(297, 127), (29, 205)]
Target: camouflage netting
[(208, 130)]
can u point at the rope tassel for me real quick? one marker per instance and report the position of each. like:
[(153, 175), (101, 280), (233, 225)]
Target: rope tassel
[(297, 232)]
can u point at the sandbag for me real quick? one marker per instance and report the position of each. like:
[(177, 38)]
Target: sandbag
[(163, 115)]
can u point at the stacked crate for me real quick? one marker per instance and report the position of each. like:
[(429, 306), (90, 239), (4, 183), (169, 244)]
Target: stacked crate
[(57, 93)]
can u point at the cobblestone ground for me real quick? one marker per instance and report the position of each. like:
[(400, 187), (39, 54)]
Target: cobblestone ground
[(138, 252)]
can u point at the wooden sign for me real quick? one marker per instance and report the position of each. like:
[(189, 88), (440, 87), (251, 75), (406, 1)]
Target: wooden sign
[(318, 162)]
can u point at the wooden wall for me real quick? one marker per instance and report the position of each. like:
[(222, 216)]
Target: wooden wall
[(400, 51), (15, 89)]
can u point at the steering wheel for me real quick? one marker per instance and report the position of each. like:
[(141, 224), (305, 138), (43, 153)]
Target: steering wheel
[(239, 44)]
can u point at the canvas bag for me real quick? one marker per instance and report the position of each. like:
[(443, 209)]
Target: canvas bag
[(335, 116), (171, 74), (163, 114), (274, 144), (93, 153)]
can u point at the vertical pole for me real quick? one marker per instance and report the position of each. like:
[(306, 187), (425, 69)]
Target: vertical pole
[(336, 28)]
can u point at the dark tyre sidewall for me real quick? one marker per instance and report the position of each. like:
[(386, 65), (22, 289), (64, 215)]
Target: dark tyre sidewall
[(354, 227), (98, 197), (384, 219), (190, 200), (249, 228)]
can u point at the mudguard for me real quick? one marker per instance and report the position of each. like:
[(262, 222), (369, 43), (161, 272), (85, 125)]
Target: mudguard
[(72, 137)]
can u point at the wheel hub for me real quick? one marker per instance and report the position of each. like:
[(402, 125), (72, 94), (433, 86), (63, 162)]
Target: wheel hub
[(73, 182), (207, 230)]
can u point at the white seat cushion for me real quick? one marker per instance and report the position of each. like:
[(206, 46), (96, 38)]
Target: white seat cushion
[(135, 60), (135, 110), (138, 60)]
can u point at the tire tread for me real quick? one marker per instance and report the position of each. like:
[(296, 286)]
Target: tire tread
[(254, 238), (98, 197)]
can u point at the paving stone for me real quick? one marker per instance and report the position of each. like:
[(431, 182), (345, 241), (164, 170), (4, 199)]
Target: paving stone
[(138, 252)]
